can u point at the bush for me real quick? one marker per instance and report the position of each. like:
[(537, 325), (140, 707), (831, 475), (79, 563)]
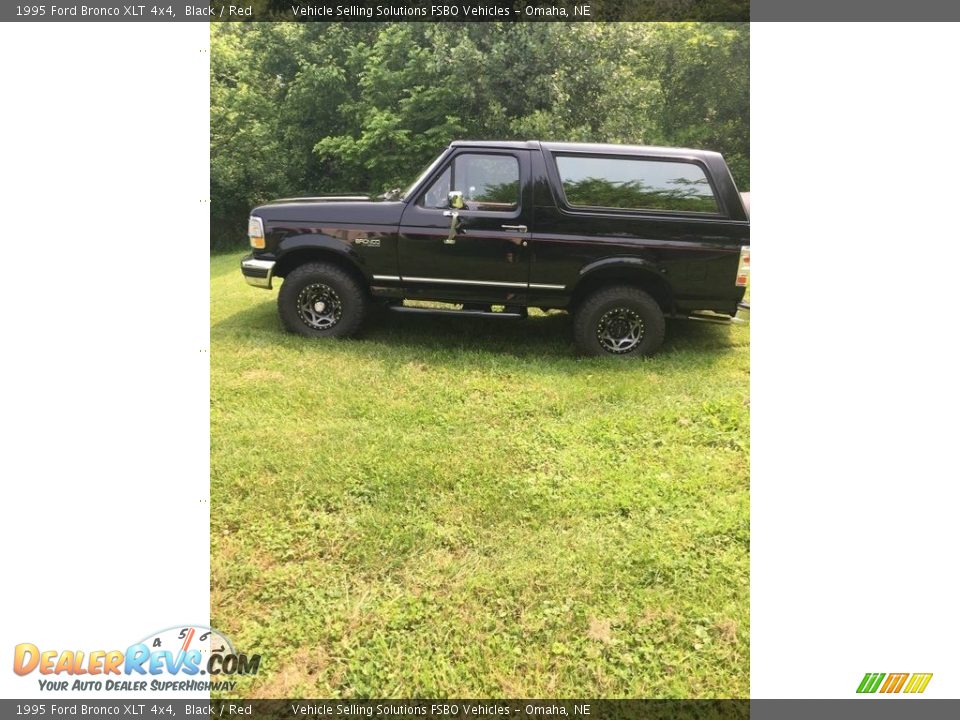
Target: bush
[(319, 108)]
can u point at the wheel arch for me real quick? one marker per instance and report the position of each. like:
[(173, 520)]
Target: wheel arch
[(635, 272), (302, 250)]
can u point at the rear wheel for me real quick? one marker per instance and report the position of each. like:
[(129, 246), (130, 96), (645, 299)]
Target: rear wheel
[(321, 300), (622, 321)]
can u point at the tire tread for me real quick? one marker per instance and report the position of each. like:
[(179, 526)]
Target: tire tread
[(588, 314), (352, 296)]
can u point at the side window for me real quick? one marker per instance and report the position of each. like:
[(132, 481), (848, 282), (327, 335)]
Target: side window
[(436, 195), (636, 184), (488, 182)]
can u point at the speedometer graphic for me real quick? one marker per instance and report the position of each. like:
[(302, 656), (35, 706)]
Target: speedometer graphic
[(193, 646)]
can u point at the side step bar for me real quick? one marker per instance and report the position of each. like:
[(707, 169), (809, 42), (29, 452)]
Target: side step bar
[(716, 319), (460, 313), (708, 317)]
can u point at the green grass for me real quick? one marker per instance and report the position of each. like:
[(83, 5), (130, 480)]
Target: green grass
[(461, 507)]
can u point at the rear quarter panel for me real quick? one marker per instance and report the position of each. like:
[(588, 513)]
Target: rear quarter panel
[(695, 253)]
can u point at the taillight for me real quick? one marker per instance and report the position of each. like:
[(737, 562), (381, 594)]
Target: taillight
[(743, 268)]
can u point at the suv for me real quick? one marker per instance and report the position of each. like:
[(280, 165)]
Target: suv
[(620, 236)]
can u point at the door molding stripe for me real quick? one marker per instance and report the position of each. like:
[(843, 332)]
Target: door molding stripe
[(457, 281), (454, 281), (546, 286)]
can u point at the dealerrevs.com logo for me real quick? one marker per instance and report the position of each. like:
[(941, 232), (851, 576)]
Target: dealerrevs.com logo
[(894, 682), (181, 658)]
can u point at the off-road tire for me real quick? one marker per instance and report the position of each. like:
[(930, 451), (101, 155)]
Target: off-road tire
[(341, 303), (619, 321)]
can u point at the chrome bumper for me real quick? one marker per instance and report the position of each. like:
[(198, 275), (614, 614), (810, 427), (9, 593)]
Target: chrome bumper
[(258, 273)]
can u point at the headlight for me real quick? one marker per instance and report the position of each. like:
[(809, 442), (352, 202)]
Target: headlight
[(255, 231)]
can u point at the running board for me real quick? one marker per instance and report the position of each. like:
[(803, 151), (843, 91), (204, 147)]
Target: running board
[(461, 313), (711, 318), (717, 319)]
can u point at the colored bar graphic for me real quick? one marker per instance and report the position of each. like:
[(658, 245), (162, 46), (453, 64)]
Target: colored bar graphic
[(894, 682), (918, 682), (870, 683), (915, 683)]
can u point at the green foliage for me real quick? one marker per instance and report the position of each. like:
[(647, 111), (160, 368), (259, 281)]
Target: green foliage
[(599, 192), (448, 507), (314, 108)]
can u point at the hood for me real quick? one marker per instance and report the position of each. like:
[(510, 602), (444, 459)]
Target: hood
[(351, 209), (322, 198)]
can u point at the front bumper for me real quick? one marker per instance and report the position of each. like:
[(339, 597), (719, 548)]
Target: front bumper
[(258, 273)]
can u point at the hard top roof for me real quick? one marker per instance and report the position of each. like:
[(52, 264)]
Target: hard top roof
[(599, 148)]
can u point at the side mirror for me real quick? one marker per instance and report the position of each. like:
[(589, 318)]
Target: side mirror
[(455, 199)]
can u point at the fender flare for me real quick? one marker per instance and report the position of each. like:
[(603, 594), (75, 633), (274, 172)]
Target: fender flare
[(614, 262), (649, 275), (292, 245)]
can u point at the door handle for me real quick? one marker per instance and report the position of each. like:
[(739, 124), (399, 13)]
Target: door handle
[(518, 228), (451, 238)]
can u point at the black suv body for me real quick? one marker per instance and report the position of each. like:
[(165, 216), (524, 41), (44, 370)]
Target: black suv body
[(620, 236)]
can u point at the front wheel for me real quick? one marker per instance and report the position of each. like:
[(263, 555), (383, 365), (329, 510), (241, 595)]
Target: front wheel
[(622, 321), (321, 300)]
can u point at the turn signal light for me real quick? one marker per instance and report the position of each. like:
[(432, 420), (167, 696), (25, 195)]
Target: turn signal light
[(255, 231), (743, 269)]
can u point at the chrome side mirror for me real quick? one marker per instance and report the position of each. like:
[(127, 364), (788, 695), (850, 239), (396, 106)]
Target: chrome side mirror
[(455, 199)]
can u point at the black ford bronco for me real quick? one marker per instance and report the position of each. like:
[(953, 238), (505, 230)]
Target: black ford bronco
[(620, 236)]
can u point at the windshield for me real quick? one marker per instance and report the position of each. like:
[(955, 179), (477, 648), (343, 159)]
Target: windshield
[(426, 171)]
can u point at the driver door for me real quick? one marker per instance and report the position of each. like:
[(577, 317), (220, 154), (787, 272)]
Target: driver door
[(478, 253)]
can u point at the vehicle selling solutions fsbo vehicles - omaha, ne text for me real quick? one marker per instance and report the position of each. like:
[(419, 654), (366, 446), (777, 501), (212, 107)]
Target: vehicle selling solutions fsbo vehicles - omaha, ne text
[(620, 236)]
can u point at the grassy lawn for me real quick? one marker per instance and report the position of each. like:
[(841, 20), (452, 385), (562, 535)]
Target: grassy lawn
[(461, 507)]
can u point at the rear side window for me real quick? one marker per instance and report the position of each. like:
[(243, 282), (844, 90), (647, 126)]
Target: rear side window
[(635, 184)]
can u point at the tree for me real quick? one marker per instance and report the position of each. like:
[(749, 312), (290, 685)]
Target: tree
[(311, 108)]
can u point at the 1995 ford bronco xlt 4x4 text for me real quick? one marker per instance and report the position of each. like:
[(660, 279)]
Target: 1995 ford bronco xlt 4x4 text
[(620, 236)]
